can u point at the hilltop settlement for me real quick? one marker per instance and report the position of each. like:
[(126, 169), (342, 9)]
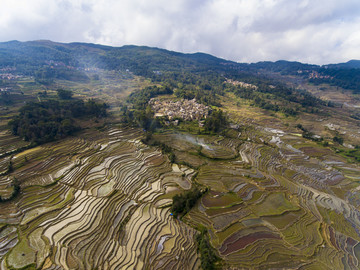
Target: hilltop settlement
[(187, 110)]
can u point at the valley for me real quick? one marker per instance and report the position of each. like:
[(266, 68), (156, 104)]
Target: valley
[(280, 187)]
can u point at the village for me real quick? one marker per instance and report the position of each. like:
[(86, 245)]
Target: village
[(187, 110), (317, 75), (241, 84), (9, 76), (6, 73), (5, 90)]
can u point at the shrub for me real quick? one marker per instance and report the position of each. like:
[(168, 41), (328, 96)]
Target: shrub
[(184, 202)]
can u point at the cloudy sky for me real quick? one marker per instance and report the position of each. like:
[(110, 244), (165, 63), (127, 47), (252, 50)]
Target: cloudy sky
[(312, 31)]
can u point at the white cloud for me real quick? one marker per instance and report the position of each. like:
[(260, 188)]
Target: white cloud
[(317, 31)]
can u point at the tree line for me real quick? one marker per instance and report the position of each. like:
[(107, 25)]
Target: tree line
[(182, 203), (40, 122)]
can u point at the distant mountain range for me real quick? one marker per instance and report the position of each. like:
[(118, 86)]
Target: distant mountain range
[(78, 53), (349, 64), (29, 57)]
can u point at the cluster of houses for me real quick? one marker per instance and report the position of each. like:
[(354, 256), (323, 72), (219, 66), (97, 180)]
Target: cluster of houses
[(58, 64), (241, 84), (6, 73), (55, 63), (90, 69), (317, 75), (9, 76), (7, 69), (5, 90), (187, 110), (314, 74)]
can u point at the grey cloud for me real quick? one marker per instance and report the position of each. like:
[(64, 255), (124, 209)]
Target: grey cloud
[(317, 31)]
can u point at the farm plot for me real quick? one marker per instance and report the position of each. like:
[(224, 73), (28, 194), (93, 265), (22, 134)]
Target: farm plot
[(208, 146), (90, 202), (274, 207), (101, 200)]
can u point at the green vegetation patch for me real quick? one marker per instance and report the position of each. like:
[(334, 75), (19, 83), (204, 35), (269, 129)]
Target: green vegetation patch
[(316, 151), (217, 152), (184, 202), (353, 154), (218, 176), (233, 228), (21, 255), (287, 218), (274, 204), (221, 200), (222, 210), (208, 256), (46, 121), (187, 159), (338, 222)]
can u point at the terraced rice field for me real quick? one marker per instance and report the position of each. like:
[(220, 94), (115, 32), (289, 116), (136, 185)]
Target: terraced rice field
[(101, 201), (275, 206), (95, 201)]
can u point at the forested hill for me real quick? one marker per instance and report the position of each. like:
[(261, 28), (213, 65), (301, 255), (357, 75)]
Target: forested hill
[(141, 60), (345, 75), (51, 59)]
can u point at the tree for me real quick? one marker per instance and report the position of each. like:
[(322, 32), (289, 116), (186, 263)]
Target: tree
[(216, 121), (64, 94), (49, 120), (338, 140), (182, 203)]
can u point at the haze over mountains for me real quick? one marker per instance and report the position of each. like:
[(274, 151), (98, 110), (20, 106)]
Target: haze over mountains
[(141, 60), (72, 51)]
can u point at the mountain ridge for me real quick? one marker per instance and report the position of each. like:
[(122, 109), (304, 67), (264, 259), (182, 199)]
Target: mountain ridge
[(353, 63), (33, 56)]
